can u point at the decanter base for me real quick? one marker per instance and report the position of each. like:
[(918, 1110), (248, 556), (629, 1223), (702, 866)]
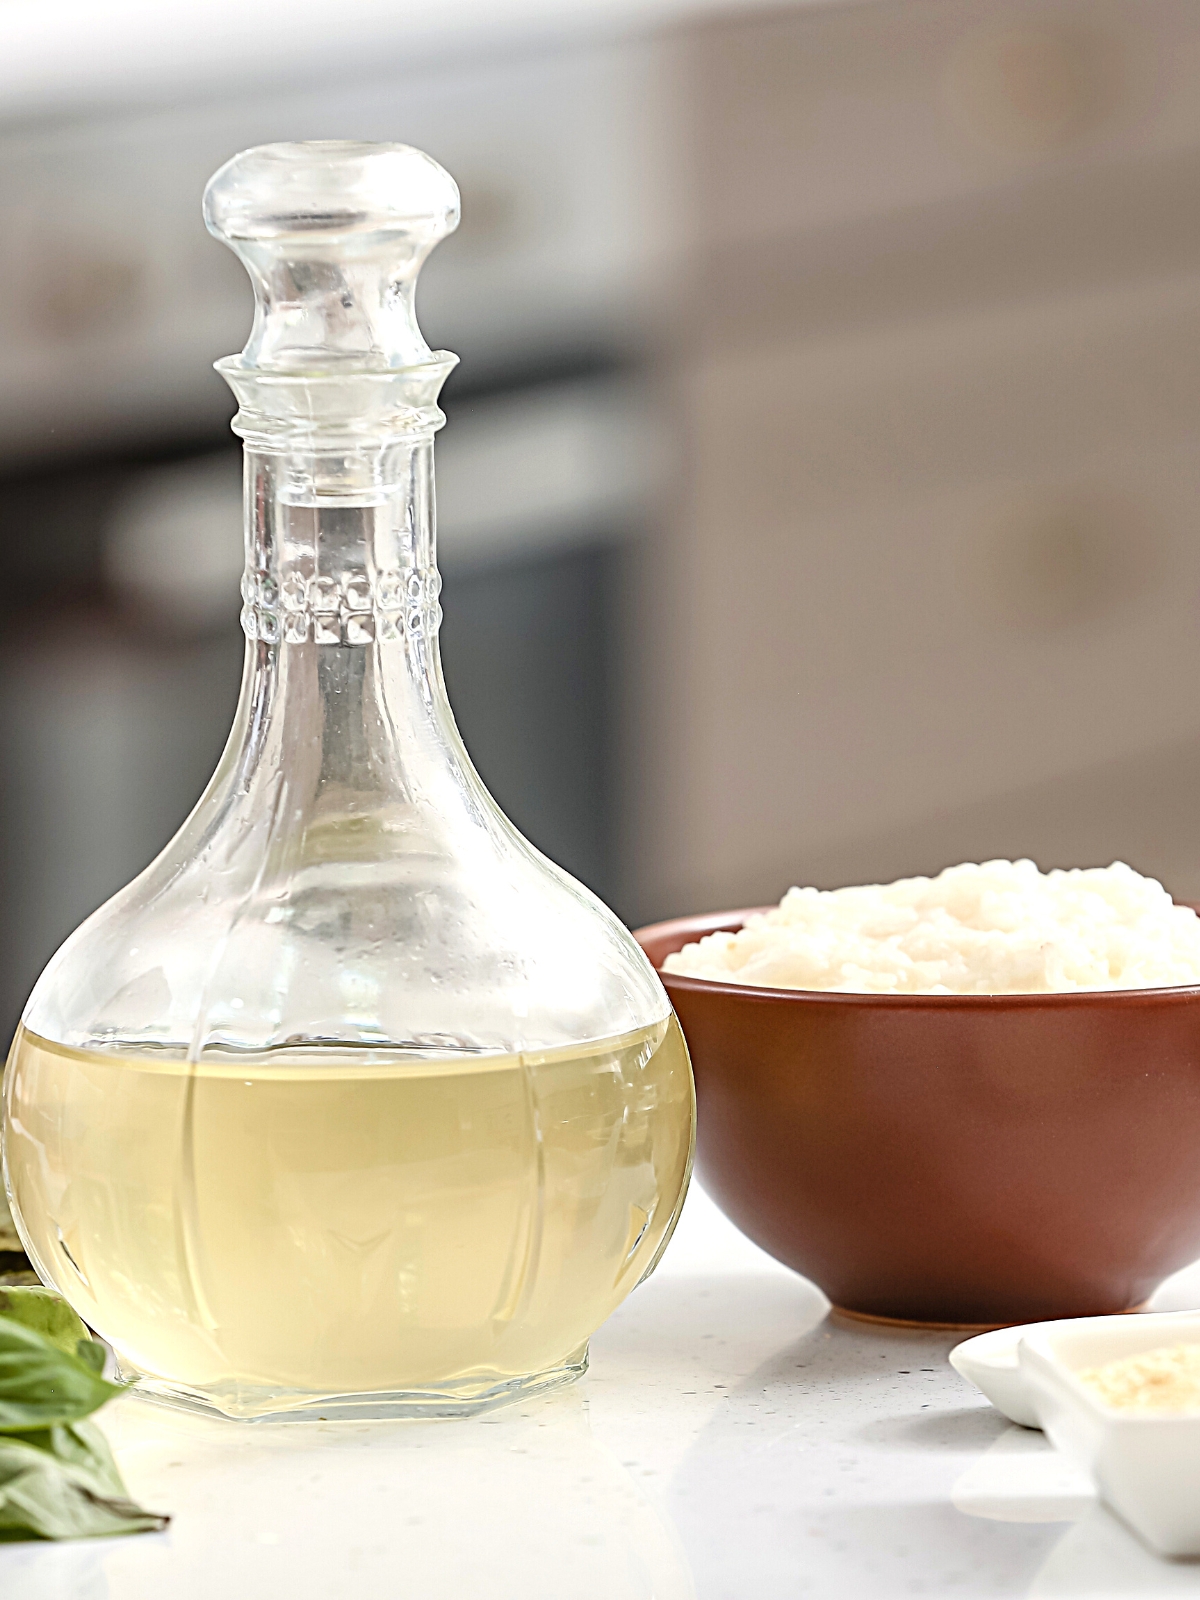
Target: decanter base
[(243, 1403)]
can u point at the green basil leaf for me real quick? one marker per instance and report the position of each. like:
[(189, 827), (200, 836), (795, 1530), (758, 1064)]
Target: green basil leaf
[(82, 1445), (46, 1313), (92, 1353), (62, 1483), (41, 1384)]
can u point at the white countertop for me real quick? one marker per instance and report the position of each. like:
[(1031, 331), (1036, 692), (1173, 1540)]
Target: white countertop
[(731, 1442)]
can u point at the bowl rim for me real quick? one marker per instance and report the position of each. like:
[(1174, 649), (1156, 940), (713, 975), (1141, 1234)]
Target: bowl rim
[(697, 926)]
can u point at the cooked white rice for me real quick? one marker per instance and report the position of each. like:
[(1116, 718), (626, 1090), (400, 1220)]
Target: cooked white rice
[(1001, 927)]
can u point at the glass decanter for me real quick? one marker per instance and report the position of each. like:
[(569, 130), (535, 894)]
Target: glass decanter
[(351, 1101)]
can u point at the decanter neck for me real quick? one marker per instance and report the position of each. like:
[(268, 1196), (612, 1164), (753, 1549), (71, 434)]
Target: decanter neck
[(344, 737), (340, 546)]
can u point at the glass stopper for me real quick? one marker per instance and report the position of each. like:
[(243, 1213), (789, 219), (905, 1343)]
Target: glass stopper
[(333, 235)]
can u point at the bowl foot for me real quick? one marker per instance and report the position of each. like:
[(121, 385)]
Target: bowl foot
[(953, 1327)]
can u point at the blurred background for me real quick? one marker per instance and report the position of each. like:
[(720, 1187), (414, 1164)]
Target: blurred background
[(819, 492)]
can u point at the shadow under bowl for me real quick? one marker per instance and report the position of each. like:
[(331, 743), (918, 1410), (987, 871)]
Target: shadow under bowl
[(966, 1160)]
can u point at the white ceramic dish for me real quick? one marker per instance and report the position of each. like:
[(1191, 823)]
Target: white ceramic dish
[(1146, 1467), (990, 1362)]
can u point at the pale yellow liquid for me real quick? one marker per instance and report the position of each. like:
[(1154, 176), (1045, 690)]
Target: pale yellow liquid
[(260, 1230)]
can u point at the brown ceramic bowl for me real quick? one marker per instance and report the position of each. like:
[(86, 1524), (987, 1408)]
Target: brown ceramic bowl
[(954, 1159)]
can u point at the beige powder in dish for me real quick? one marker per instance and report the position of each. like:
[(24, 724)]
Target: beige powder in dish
[(1157, 1381)]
